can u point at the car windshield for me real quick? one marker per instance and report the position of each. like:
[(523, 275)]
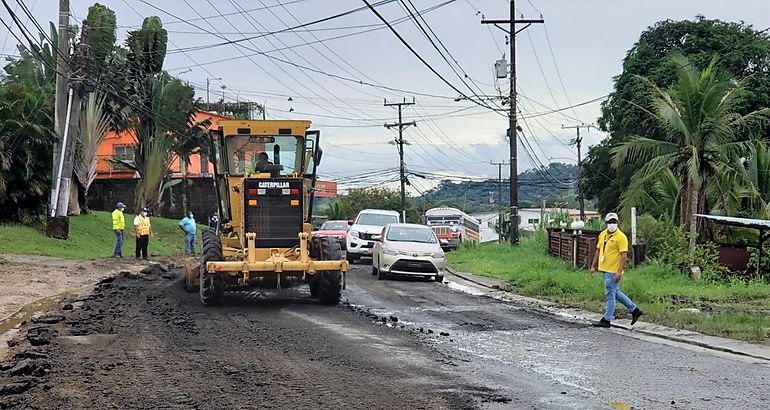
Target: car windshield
[(376, 219), (411, 234), (334, 226)]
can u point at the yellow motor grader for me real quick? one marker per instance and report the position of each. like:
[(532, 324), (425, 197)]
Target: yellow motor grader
[(265, 174)]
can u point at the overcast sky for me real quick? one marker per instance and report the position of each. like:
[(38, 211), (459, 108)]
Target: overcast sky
[(588, 40)]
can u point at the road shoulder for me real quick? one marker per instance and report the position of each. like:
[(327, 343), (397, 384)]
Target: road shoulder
[(500, 290)]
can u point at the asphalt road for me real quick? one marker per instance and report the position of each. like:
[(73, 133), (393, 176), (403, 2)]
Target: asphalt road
[(144, 343)]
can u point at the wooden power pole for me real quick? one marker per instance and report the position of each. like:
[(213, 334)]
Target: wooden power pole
[(578, 141), (499, 195), (512, 126), (400, 143)]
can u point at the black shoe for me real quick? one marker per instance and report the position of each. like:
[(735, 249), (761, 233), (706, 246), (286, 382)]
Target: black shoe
[(635, 315), (601, 323)]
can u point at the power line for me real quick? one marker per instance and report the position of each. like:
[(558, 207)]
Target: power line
[(419, 57), (250, 38), (291, 63), (422, 28), (558, 72)]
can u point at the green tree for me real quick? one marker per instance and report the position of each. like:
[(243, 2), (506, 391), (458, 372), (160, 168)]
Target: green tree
[(93, 128), (162, 113), (337, 211), (744, 52), (702, 139), (26, 134), (376, 198), (98, 34)]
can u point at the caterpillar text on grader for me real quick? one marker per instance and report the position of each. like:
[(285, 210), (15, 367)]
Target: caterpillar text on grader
[(265, 174)]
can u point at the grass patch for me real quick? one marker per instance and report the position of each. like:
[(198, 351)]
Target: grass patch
[(737, 309), (90, 237)]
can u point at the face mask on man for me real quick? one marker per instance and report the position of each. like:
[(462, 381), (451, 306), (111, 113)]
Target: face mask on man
[(612, 227), (144, 213), (190, 215)]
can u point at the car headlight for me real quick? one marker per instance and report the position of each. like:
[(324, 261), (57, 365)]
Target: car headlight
[(439, 254), (354, 234), (389, 251)]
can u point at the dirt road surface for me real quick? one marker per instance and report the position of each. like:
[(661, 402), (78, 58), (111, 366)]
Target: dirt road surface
[(141, 342)]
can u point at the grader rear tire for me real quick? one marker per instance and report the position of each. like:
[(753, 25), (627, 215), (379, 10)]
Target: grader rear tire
[(329, 283), (212, 285)]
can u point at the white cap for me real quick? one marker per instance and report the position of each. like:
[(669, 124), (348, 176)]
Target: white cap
[(610, 216)]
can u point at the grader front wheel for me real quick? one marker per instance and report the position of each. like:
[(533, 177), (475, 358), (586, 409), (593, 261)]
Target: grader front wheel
[(329, 283), (212, 286)]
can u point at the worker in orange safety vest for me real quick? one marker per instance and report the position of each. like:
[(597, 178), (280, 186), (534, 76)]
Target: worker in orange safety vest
[(143, 231)]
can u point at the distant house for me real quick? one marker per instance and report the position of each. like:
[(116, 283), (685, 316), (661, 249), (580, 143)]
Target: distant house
[(531, 218), (121, 146), (487, 226)]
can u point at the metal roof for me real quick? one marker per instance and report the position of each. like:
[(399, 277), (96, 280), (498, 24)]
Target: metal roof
[(760, 224)]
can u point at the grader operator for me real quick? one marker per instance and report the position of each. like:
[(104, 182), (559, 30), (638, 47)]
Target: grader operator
[(265, 174)]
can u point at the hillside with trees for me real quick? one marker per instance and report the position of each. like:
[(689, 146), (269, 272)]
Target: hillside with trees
[(554, 183)]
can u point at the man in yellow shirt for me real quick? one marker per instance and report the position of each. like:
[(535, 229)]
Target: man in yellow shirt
[(610, 258), (118, 225), (143, 231)]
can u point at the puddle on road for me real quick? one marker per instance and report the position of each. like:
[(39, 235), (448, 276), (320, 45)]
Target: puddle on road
[(9, 326), (465, 289), (392, 348)]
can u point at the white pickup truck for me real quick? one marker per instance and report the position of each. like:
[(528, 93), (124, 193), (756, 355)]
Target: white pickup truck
[(368, 223)]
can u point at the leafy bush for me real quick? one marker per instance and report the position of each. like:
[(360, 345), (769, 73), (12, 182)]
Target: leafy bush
[(667, 244), (594, 224), (660, 238), (764, 269)]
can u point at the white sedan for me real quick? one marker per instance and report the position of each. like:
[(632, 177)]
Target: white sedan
[(408, 249)]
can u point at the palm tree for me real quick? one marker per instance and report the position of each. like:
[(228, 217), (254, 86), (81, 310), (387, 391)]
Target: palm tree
[(94, 127), (26, 137), (702, 141)]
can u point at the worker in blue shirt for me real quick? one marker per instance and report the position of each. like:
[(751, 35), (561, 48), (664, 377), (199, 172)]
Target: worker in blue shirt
[(187, 225)]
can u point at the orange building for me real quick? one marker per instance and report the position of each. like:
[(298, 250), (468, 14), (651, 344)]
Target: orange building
[(121, 145)]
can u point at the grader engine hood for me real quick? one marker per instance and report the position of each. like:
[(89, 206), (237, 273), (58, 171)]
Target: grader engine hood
[(273, 211)]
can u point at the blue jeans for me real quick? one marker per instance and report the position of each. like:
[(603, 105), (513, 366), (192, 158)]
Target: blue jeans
[(118, 243), (612, 293), (189, 243)]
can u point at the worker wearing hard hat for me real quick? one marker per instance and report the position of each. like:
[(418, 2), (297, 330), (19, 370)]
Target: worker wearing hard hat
[(118, 225)]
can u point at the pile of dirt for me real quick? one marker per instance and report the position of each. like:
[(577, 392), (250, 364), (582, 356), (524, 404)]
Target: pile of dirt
[(34, 351)]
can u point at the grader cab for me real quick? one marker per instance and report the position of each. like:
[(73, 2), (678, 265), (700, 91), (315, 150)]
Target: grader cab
[(265, 173)]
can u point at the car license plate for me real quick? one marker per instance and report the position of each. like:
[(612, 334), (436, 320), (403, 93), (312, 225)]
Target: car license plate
[(366, 251)]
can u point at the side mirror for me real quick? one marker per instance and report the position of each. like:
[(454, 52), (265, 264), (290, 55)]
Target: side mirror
[(377, 238), (318, 154), (350, 223)]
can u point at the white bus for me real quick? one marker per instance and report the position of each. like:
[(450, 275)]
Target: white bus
[(452, 226)]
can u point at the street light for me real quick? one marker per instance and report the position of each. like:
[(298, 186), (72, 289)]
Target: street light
[(208, 103)]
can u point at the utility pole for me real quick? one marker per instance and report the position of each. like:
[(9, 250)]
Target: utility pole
[(499, 194), (512, 126), (208, 101), (578, 141), (60, 112), (400, 142)]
